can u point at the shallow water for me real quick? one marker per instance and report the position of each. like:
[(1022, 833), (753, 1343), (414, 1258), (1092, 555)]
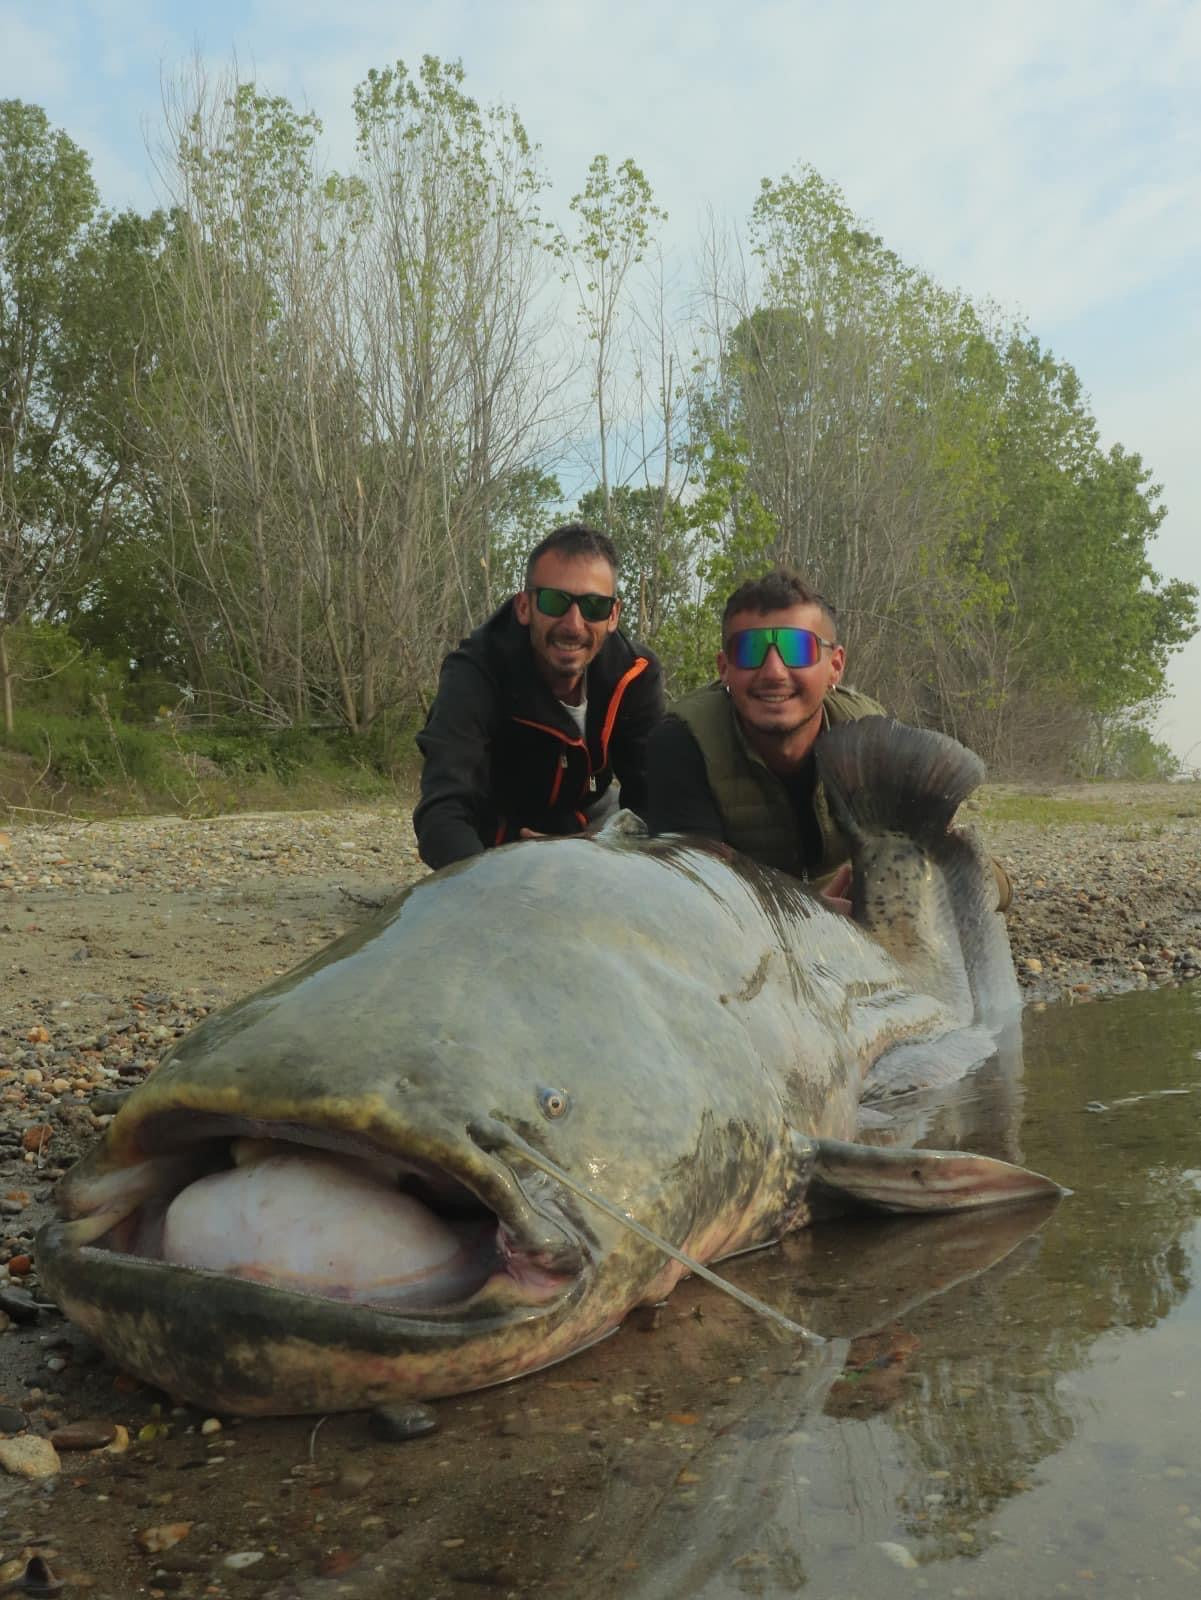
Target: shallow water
[(1031, 1429)]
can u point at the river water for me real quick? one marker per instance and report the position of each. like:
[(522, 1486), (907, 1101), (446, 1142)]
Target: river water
[(1007, 1404)]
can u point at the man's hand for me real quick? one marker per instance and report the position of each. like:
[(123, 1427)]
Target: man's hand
[(836, 896)]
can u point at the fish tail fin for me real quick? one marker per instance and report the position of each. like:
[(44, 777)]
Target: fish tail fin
[(885, 776), (894, 791)]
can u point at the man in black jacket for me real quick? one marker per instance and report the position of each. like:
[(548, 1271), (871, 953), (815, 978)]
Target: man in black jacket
[(538, 710)]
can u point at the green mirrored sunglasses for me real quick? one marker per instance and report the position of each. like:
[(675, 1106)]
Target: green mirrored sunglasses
[(798, 647), (558, 602)]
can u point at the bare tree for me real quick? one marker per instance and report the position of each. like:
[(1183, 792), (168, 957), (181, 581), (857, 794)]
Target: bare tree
[(357, 367)]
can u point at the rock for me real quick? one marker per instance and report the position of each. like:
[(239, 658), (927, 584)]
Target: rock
[(241, 1559), (85, 1435), (37, 1579), (12, 1420), (898, 1553), (163, 1536), (29, 1457), (211, 1425), (405, 1420), (353, 1479)]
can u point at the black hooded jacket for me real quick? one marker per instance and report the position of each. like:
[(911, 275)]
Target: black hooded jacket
[(501, 753)]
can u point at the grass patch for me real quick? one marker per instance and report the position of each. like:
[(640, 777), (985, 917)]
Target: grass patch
[(1105, 805), (99, 767)]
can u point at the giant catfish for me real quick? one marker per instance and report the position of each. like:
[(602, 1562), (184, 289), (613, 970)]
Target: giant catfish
[(383, 1174)]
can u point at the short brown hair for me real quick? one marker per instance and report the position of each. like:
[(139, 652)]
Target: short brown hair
[(777, 591), (574, 539)]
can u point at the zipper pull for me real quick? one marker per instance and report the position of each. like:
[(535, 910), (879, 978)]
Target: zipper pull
[(563, 760), (591, 785)]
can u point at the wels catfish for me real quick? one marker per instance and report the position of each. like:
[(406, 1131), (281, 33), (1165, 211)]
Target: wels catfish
[(383, 1175)]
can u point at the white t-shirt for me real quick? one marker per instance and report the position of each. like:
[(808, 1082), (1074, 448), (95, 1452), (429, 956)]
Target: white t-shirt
[(578, 714)]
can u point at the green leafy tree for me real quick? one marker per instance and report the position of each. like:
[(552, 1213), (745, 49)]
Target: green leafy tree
[(47, 201), (940, 477), (524, 509), (652, 540), (77, 288)]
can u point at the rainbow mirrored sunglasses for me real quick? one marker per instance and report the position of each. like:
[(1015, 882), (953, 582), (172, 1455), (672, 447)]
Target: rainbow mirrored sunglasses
[(558, 602), (798, 647)]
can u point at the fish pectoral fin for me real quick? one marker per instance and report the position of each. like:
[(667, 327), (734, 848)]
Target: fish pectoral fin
[(851, 1175)]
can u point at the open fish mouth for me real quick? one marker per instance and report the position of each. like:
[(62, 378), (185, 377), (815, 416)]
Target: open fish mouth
[(438, 1234)]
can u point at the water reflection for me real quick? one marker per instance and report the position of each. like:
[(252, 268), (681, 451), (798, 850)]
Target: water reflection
[(1007, 1403), (968, 1400), (942, 1450)]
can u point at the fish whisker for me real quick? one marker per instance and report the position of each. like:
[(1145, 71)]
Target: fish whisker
[(492, 1136)]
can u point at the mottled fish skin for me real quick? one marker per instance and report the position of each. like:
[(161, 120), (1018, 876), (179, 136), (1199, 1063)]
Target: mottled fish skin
[(925, 890), (676, 1030)]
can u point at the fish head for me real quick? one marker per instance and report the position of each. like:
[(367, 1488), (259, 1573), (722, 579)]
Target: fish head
[(365, 1181)]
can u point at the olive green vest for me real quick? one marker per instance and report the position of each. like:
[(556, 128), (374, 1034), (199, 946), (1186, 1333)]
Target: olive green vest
[(756, 810)]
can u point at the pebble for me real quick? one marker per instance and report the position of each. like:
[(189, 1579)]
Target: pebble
[(12, 1420), (1101, 908), (19, 1304), (241, 1559), (162, 1536), (85, 1435), (178, 853), (405, 1420), (354, 1478), (28, 1456), (37, 1579), (899, 1554)]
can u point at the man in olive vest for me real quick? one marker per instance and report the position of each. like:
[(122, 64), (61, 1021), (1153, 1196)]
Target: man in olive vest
[(735, 762)]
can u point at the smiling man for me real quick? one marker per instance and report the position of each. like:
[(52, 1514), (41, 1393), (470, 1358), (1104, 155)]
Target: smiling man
[(734, 761), (539, 710)]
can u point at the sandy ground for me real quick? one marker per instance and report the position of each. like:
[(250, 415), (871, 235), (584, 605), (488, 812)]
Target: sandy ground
[(115, 938)]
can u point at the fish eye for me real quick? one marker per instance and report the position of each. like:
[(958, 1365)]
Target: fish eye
[(554, 1103)]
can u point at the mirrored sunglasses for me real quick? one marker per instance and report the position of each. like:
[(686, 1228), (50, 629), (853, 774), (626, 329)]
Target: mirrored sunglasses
[(558, 602), (798, 647)]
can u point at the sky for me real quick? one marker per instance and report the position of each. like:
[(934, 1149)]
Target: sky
[(1046, 156)]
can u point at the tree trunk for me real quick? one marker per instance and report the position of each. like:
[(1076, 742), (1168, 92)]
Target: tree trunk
[(6, 681)]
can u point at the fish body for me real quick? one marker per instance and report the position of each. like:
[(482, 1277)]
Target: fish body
[(371, 1178)]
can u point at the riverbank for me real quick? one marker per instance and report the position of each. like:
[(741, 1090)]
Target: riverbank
[(117, 937), (93, 913)]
